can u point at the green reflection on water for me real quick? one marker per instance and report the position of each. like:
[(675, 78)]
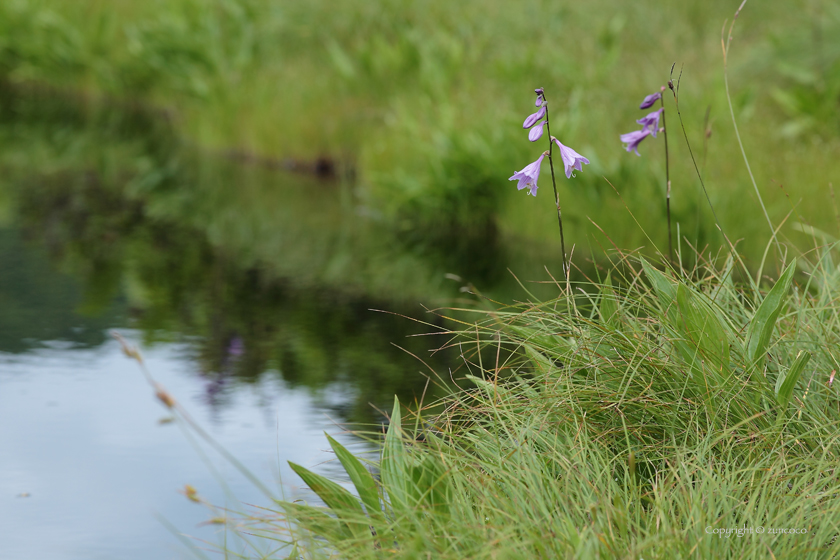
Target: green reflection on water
[(39, 304), (264, 272)]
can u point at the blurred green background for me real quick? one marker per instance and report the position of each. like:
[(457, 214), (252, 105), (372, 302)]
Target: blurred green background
[(420, 102)]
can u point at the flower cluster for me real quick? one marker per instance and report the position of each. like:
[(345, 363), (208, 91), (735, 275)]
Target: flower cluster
[(527, 178), (650, 125)]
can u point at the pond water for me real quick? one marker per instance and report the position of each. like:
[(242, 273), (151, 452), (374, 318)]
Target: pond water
[(89, 471), (274, 305), (91, 465)]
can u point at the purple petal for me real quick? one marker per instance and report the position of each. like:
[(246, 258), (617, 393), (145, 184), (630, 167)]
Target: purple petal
[(650, 100), (536, 132), (632, 139), (571, 159), (528, 176), (651, 121), (540, 96), (529, 122)]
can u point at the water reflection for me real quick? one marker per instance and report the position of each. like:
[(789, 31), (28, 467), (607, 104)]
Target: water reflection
[(39, 304), (262, 271), (250, 290), (87, 462), (241, 320)]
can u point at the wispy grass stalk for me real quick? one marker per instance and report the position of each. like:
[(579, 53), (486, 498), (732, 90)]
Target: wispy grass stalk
[(725, 46)]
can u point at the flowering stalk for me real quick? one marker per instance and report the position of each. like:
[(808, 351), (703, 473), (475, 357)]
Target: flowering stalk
[(556, 196), (650, 127), (527, 178)]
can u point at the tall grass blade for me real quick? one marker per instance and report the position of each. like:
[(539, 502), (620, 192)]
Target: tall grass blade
[(786, 382), (761, 325), (701, 336), (361, 478), (431, 488), (702, 326), (342, 502), (395, 462), (318, 522), (608, 305), (666, 289)]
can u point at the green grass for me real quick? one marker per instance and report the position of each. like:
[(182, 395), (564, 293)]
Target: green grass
[(631, 422), (425, 99)]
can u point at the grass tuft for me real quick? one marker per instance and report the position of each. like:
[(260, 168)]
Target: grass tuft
[(636, 417)]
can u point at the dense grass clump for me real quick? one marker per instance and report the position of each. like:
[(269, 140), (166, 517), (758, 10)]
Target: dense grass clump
[(631, 420)]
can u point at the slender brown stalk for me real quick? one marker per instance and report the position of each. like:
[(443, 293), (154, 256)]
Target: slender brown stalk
[(707, 133)]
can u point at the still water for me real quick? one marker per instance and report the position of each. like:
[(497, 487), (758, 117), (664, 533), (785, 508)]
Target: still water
[(88, 470), (272, 304), (92, 468)]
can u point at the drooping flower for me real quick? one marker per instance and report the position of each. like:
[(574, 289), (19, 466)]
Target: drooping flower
[(536, 132), (532, 119), (528, 177), (632, 139), (571, 159), (651, 122), (650, 100), (540, 97)]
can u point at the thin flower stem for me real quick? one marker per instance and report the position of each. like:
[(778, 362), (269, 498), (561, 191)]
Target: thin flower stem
[(676, 92), (667, 181), (725, 46), (556, 197)]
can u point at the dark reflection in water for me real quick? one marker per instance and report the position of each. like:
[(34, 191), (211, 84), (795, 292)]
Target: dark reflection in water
[(144, 233), (39, 304)]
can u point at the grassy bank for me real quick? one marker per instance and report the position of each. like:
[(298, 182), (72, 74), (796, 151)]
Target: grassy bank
[(425, 99), (656, 418)]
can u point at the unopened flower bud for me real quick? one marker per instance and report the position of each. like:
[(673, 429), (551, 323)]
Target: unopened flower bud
[(532, 119), (650, 100), (536, 132)]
